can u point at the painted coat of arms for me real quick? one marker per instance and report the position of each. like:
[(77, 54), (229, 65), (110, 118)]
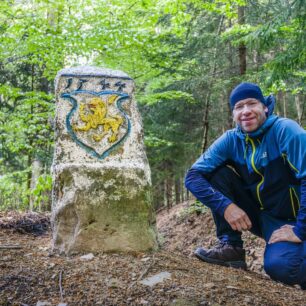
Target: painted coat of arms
[(97, 121)]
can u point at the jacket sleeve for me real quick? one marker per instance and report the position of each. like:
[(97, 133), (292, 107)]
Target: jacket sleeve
[(198, 185), (300, 228), (196, 180), (292, 143), (292, 139)]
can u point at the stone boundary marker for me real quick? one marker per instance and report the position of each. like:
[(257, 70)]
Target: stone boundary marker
[(101, 198)]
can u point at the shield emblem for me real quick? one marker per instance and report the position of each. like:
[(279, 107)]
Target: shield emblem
[(97, 121)]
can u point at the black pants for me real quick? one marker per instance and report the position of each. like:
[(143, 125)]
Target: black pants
[(229, 184), (283, 261)]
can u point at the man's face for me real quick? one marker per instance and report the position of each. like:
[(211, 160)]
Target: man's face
[(250, 114)]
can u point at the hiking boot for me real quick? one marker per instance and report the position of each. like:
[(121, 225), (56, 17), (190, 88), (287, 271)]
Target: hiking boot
[(223, 254)]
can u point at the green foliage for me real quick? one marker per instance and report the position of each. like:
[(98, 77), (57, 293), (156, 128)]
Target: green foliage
[(167, 95), (42, 191), (194, 208), (277, 29), (13, 191), (25, 128), (181, 54)]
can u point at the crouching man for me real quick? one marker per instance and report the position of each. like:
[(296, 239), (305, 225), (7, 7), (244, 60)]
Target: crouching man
[(254, 178)]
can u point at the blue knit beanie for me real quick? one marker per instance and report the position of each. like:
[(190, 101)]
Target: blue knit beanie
[(245, 91)]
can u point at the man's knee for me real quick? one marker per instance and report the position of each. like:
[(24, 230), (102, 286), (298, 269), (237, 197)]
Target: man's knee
[(278, 270), (227, 181), (226, 174), (281, 266)]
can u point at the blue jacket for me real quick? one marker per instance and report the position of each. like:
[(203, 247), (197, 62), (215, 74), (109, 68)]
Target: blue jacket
[(271, 162)]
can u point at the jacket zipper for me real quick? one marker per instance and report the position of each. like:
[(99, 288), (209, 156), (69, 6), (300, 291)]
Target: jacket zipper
[(285, 157), (292, 195), (256, 171)]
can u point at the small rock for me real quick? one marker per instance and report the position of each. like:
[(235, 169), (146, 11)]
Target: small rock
[(209, 285), (43, 303), (62, 304), (43, 248), (145, 259), (232, 287), (248, 299), (155, 279), (89, 256)]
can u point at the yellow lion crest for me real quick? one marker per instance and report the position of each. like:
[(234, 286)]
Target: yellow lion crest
[(96, 115)]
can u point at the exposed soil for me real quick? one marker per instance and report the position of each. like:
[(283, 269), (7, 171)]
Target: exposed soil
[(32, 275)]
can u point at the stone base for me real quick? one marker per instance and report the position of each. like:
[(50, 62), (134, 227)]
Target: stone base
[(102, 209)]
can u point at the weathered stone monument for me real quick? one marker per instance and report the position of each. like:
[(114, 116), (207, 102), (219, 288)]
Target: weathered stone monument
[(101, 197)]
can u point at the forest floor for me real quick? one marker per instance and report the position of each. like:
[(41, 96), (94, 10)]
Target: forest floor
[(30, 274)]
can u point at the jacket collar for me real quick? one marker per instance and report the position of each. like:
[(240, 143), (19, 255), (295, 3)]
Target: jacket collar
[(260, 131)]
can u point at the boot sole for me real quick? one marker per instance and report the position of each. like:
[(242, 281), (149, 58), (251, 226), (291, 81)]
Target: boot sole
[(238, 264)]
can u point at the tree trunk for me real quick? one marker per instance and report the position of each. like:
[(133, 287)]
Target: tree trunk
[(159, 195), (242, 48), (187, 195), (207, 98), (30, 157), (284, 105), (177, 190), (36, 170), (183, 189), (278, 106), (232, 73), (303, 110), (229, 111), (169, 185), (298, 104), (165, 192)]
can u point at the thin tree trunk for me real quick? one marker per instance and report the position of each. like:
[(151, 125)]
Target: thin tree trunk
[(229, 111), (242, 48), (303, 110), (298, 104), (284, 105), (30, 157), (207, 98), (36, 170), (177, 190), (159, 195), (232, 72), (182, 191), (169, 185), (279, 106), (165, 193), (162, 193)]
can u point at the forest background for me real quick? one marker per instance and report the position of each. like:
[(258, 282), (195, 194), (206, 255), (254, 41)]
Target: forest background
[(185, 57)]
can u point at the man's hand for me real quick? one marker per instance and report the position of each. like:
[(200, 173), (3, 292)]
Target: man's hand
[(237, 218), (285, 233)]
